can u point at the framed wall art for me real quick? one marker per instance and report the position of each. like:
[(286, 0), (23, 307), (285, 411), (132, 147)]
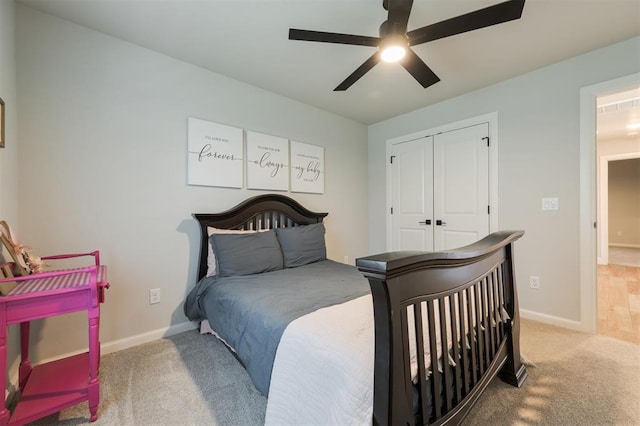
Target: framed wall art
[(307, 168), (267, 162), (215, 154)]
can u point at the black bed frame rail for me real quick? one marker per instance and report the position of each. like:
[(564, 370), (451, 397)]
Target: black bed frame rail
[(460, 307)]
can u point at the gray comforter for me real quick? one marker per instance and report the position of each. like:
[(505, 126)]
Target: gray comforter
[(251, 312)]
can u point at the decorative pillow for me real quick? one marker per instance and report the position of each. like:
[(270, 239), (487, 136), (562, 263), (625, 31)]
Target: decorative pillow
[(212, 265), (247, 254), (302, 245)]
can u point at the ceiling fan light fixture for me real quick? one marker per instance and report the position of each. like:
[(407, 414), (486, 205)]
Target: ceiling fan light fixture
[(394, 43), (393, 49)]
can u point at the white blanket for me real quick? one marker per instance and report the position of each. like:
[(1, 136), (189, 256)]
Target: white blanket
[(323, 369)]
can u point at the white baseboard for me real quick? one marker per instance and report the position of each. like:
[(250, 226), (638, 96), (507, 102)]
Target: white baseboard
[(624, 245), (553, 320), (150, 336), (129, 342)]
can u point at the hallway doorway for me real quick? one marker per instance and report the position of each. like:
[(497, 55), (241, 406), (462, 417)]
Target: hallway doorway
[(618, 206)]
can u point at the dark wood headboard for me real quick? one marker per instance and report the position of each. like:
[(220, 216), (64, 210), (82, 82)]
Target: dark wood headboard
[(260, 212)]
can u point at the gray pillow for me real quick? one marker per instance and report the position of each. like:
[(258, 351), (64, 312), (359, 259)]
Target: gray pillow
[(302, 245), (247, 254)]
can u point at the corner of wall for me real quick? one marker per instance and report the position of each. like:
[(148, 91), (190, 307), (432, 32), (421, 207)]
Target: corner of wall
[(9, 154)]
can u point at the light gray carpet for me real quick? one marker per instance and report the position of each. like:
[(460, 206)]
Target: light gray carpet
[(578, 379), (188, 379)]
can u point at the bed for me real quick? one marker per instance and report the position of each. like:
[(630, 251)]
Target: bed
[(404, 338)]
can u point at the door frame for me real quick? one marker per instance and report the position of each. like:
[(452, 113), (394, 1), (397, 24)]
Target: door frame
[(588, 205), (492, 120)]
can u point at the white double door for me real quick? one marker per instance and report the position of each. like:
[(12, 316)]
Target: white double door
[(440, 190)]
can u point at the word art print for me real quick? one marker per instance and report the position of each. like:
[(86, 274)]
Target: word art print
[(215, 154), (307, 168)]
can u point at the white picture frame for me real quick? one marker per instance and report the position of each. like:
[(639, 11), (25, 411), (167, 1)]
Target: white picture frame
[(215, 154), (307, 168), (267, 162)]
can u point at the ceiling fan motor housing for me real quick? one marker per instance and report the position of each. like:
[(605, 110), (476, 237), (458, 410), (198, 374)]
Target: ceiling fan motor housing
[(390, 29)]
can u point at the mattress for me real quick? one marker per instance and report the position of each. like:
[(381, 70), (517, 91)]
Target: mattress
[(250, 313)]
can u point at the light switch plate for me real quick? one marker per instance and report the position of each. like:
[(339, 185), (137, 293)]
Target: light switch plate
[(550, 203), (154, 296)]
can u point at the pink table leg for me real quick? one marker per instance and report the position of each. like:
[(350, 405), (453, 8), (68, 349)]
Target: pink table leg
[(25, 363), (94, 384), (4, 413)]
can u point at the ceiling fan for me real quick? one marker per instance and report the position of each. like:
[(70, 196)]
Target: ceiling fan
[(394, 41)]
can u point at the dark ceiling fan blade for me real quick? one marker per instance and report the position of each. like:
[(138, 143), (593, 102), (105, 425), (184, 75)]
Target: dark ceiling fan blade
[(359, 72), (418, 69), (492, 15), (398, 16), (325, 37)]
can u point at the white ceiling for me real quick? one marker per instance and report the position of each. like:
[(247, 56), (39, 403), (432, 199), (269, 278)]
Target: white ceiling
[(618, 116), (247, 40)]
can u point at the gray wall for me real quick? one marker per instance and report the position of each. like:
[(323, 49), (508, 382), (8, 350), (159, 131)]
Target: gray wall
[(539, 142), (103, 127), (9, 155), (624, 202)]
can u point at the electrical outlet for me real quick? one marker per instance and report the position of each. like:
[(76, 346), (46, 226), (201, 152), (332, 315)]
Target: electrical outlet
[(154, 296), (346, 260), (619, 233), (534, 282)]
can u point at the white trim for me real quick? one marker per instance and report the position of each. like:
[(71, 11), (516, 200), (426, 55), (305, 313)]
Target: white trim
[(492, 120), (602, 218), (150, 336), (588, 255), (624, 245), (550, 319), (129, 342)]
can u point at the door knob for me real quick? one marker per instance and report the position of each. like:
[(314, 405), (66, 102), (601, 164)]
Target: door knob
[(441, 223), (426, 222)]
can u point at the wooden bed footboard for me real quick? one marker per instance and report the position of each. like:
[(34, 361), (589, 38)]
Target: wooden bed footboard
[(446, 323)]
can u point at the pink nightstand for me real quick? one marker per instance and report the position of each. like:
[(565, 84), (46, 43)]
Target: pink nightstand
[(51, 387)]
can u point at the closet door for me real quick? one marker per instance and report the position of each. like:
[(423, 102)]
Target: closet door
[(412, 195), (461, 186)]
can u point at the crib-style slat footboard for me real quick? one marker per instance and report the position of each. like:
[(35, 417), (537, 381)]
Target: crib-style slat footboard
[(445, 324)]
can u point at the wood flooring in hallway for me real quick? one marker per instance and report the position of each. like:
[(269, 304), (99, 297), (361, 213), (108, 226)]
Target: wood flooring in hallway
[(619, 302)]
